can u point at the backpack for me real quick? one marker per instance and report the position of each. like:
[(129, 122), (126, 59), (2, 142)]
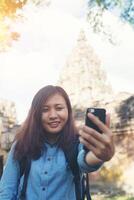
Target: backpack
[(81, 182)]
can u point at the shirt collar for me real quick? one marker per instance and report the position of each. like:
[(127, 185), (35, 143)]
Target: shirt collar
[(55, 143)]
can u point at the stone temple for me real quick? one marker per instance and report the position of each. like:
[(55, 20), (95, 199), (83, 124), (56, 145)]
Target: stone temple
[(83, 77)]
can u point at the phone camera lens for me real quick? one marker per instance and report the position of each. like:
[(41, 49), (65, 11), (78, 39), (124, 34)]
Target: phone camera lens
[(92, 110)]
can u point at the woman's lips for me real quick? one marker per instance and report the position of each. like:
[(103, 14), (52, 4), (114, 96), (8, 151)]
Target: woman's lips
[(54, 124)]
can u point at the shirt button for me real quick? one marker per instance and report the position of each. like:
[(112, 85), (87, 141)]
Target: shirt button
[(43, 188), (45, 172), (49, 159)]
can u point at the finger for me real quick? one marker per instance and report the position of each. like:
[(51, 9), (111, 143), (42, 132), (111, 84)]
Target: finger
[(95, 134), (99, 123), (87, 144), (92, 140), (91, 147), (104, 138)]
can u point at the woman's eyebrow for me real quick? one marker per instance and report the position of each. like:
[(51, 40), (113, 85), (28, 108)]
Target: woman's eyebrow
[(57, 104)]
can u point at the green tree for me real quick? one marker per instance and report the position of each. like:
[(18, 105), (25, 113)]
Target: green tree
[(124, 9)]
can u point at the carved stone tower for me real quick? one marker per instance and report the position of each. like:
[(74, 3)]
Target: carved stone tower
[(83, 77)]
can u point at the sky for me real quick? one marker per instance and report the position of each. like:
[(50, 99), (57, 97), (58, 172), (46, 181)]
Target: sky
[(48, 35)]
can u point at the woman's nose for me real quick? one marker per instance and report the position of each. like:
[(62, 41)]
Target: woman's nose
[(53, 113)]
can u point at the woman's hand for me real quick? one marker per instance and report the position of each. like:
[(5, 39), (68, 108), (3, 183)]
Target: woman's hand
[(100, 145)]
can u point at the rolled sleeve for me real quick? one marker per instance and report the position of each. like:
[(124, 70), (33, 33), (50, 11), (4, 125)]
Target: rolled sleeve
[(10, 178), (84, 166)]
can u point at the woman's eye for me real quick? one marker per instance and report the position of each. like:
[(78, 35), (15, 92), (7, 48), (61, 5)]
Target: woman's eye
[(44, 109), (59, 108)]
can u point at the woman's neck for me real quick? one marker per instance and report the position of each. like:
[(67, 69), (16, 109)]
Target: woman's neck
[(52, 138)]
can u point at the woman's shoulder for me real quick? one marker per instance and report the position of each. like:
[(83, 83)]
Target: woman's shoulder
[(12, 149)]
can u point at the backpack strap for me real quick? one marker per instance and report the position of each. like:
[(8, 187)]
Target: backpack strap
[(85, 187), (71, 157), (25, 165), (81, 183)]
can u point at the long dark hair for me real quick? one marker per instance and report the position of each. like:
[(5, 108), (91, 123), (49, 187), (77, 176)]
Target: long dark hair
[(30, 137)]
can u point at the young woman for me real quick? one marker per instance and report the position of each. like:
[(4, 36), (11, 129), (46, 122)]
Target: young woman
[(47, 131)]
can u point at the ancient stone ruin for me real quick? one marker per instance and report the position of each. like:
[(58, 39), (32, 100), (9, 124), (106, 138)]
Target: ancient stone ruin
[(83, 77), (8, 126)]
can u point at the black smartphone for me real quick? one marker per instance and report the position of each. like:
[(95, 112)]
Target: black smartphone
[(98, 112)]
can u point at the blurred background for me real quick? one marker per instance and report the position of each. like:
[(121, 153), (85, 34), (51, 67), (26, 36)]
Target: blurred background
[(85, 46)]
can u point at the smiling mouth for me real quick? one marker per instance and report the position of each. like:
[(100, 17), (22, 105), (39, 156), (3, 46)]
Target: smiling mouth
[(54, 124)]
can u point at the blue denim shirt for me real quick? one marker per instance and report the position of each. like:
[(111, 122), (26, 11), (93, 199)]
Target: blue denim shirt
[(50, 177)]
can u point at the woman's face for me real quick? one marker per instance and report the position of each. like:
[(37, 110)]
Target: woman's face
[(54, 114)]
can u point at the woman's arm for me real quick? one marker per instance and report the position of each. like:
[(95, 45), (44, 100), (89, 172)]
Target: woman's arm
[(10, 178)]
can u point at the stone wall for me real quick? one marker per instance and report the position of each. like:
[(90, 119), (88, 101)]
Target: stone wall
[(8, 124)]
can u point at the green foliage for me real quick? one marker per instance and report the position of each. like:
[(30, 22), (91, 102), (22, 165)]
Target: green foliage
[(37, 2), (96, 22), (120, 198), (126, 110), (124, 9), (109, 3), (112, 197)]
